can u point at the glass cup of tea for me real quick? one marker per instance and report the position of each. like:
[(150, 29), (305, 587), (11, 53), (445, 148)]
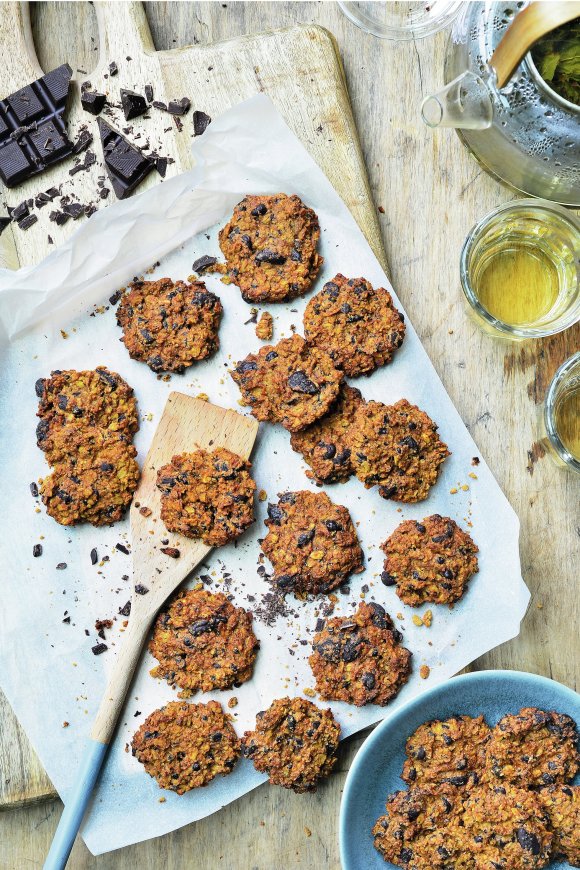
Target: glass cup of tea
[(520, 269), (561, 418)]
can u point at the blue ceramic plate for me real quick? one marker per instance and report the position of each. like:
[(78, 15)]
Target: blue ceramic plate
[(375, 772)]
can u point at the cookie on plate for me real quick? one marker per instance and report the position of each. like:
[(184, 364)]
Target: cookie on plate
[(207, 495), (270, 248), (421, 830), (202, 642), (294, 742), (449, 751), (397, 447), (506, 827), (358, 326), (323, 444), (185, 746), (533, 748), (562, 804), (311, 543), (169, 324), (359, 659), (97, 397), (289, 383), (94, 482), (429, 561)]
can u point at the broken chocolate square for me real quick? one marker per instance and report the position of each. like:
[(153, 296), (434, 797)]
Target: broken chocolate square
[(179, 107), (126, 165), (133, 104), (201, 122), (93, 102)]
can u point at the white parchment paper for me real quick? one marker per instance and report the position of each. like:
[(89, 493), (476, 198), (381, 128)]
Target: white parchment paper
[(48, 671)]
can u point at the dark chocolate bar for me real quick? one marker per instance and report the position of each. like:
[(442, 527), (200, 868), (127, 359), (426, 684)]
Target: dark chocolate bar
[(126, 164), (32, 128)]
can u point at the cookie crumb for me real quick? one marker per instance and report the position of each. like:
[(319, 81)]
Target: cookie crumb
[(233, 702), (265, 326), (424, 671)]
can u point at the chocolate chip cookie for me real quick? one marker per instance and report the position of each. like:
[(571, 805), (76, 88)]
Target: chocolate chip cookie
[(202, 642), (562, 804), (450, 751), (359, 327), (270, 248), (289, 383), (311, 543), (207, 495), (533, 748), (359, 659), (323, 444), (185, 746), (397, 447), (169, 324), (294, 742), (429, 561)]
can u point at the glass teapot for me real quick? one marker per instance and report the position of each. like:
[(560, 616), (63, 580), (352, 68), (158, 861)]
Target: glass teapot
[(524, 134)]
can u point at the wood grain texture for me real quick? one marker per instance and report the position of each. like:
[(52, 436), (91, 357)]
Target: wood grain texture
[(186, 424), (432, 192)]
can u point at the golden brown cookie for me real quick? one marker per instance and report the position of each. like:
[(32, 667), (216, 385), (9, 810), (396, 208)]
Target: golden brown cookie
[(359, 659), (289, 383), (397, 447), (265, 326), (270, 248), (294, 742), (429, 561), (169, 324), (96, 397), (207, 495), (449, 751), (311, 543), (421, 830), (184, 746), (359, 327), (202, 642), (533, 748), (95, 481), (323, 444), (562, 804), (506, 827)]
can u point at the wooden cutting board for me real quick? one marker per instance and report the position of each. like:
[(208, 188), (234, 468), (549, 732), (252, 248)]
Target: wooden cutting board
[(298, 67)]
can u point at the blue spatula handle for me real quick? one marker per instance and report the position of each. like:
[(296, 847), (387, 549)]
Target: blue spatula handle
[(76, 804)]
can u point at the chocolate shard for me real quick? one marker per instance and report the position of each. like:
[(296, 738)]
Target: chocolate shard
[(149, 93), (179, 107), (126, 165), (32, 127), (4, 222), (133, 104), (93, 102), (27, 221), (82, 141), (203, 263), (201, 122), (113, 68)]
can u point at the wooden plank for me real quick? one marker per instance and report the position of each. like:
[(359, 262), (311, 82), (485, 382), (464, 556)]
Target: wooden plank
[(432, 192)]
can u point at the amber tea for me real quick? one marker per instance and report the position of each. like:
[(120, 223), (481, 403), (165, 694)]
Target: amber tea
[(562, 414)]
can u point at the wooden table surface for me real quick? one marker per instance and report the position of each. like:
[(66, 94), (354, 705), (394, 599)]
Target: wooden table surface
[(432, 192)]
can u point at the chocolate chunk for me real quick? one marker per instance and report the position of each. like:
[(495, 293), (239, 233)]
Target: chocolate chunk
[(161, 166), (74, 209), (37, 550), (157, 104), (259, 210), (125, 610), (126, 165), (179, 107), (99, 648), (275, 513), (133, 104), (173, 552), (4, 222), (34, 489), (203, 263), (368, 681), (28, 221), (122, 549), (93, 102), (201, 122), (301, 384), (32, 128), (94, 556), (268, 256), (388, 579), (82, 142), (113, 68), (528, 841), (140, 589), (20, 211), (149, 93), (61, 566)]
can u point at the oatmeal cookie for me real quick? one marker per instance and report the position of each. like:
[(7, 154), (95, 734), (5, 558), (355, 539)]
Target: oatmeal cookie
[(207, 495), (169, 324), (95, 482), (429, 561), (289, 383), (562, 804), (294, 742), (359, 659), (202, 642), (450, 751), (532, 748), (323, 444), (506, 827), (311, 543), (184, 746), (270, 248), (96, 397), (396, 446), (265, 326), (420, 830), (359, 327)]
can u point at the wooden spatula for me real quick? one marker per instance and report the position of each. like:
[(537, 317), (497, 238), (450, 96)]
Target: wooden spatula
[(186, 424)]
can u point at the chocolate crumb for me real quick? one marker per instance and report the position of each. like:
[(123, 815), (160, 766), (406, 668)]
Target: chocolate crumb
[(171, 551), (140, 589), (113, 68), (99, 648), (201, 122), (37, 550), (149, 93), (122, 549), (34, 489), (61, 566), (94, 556), (125, 610)]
